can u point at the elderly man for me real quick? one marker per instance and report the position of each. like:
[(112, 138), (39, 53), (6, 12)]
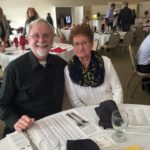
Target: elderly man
[(33, 84)]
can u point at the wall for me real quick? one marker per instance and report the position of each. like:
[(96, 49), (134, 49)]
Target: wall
[(16, 9), (142, 7), (103, 8), (78, 15)]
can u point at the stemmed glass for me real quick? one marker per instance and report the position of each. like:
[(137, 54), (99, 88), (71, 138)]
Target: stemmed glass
[(49, 143), (119, 123)]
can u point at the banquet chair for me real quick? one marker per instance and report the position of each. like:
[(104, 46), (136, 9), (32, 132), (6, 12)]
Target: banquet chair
[(1, 73), (140, 75), (127, 40), (113, 42), (139, 34), (95, 45), (60, 34), (57, 39)]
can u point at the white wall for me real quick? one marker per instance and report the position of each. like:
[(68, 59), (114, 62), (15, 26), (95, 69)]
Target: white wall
[(99, 8), (15, 10), (142, 7), (78, 14)]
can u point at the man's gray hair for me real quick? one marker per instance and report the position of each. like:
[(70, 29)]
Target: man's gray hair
[(40, 20)]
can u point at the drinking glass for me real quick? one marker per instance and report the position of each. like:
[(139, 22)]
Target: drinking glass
[(48, 143), (119, 123)]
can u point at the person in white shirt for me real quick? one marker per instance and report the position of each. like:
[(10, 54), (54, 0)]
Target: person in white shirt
[(143, 56), (110, 14), (89, 77)]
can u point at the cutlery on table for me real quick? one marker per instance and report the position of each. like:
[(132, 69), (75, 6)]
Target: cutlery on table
[(73, 118), (80, 118)]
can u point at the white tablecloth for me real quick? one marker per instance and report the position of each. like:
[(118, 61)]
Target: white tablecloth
[(136, 138), (103, 38), (13, 53), (66, 33)]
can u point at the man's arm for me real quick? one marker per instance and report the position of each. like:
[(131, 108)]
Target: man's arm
[(7, 94)]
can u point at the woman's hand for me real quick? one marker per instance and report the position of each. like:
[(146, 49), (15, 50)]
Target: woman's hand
[(23, 123)]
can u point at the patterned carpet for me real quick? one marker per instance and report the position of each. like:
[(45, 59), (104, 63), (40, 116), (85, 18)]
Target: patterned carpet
[(121, 60)]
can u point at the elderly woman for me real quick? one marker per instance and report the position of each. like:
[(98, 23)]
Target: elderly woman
[(31, 16), (4, 28), (89, 77)]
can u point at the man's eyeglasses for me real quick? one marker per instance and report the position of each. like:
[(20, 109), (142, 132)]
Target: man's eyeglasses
[(82, 43), (37, 36)]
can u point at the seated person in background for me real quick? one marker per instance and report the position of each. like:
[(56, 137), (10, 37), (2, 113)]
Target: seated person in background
[(89, 77), (31, 16), (105, 25), (33, 84), (143, 61), (115, 22), (143, 56), (4, 28)]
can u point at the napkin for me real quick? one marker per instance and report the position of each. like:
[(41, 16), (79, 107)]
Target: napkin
[(104, 111), (57, 50), (134, 147), (83, 144)]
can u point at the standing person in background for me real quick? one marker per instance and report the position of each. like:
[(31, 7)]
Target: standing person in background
[(110, 15), (31, 16), (49, 19), (33, 84), (4, 29), (125, 17), (133, 16)]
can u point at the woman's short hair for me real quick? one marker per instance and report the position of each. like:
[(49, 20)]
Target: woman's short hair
[(83, 29)]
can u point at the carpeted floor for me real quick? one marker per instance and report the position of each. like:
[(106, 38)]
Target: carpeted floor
[(122, 63)]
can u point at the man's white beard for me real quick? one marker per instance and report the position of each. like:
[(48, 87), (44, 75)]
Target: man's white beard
[(42, 53)]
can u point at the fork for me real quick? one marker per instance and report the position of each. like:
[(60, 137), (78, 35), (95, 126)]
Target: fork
[(73, 118), (79, 117)]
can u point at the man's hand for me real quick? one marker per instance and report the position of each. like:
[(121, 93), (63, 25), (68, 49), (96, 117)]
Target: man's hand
[(23, 123)]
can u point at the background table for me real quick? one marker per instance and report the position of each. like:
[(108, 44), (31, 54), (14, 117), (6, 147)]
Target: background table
[(13, 53)]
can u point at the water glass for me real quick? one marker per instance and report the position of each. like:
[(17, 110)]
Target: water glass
[(48, 143), (119, 123)]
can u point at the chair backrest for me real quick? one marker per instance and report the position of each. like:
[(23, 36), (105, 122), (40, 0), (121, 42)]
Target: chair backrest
[(113, 40), (132, 58), (95, 45), (57, 39), (58, 32), (139, 33), (127, 39)]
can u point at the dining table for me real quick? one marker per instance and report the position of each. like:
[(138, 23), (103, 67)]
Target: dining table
[(104, 37), (83, 123), (63, 50)]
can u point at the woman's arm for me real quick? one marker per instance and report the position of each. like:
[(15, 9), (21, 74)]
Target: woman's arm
[(72, 94), (117, 92)]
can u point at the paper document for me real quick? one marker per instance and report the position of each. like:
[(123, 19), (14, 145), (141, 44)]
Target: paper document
[(19, 141), (62, 127), (138, 116), (67, 125)]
